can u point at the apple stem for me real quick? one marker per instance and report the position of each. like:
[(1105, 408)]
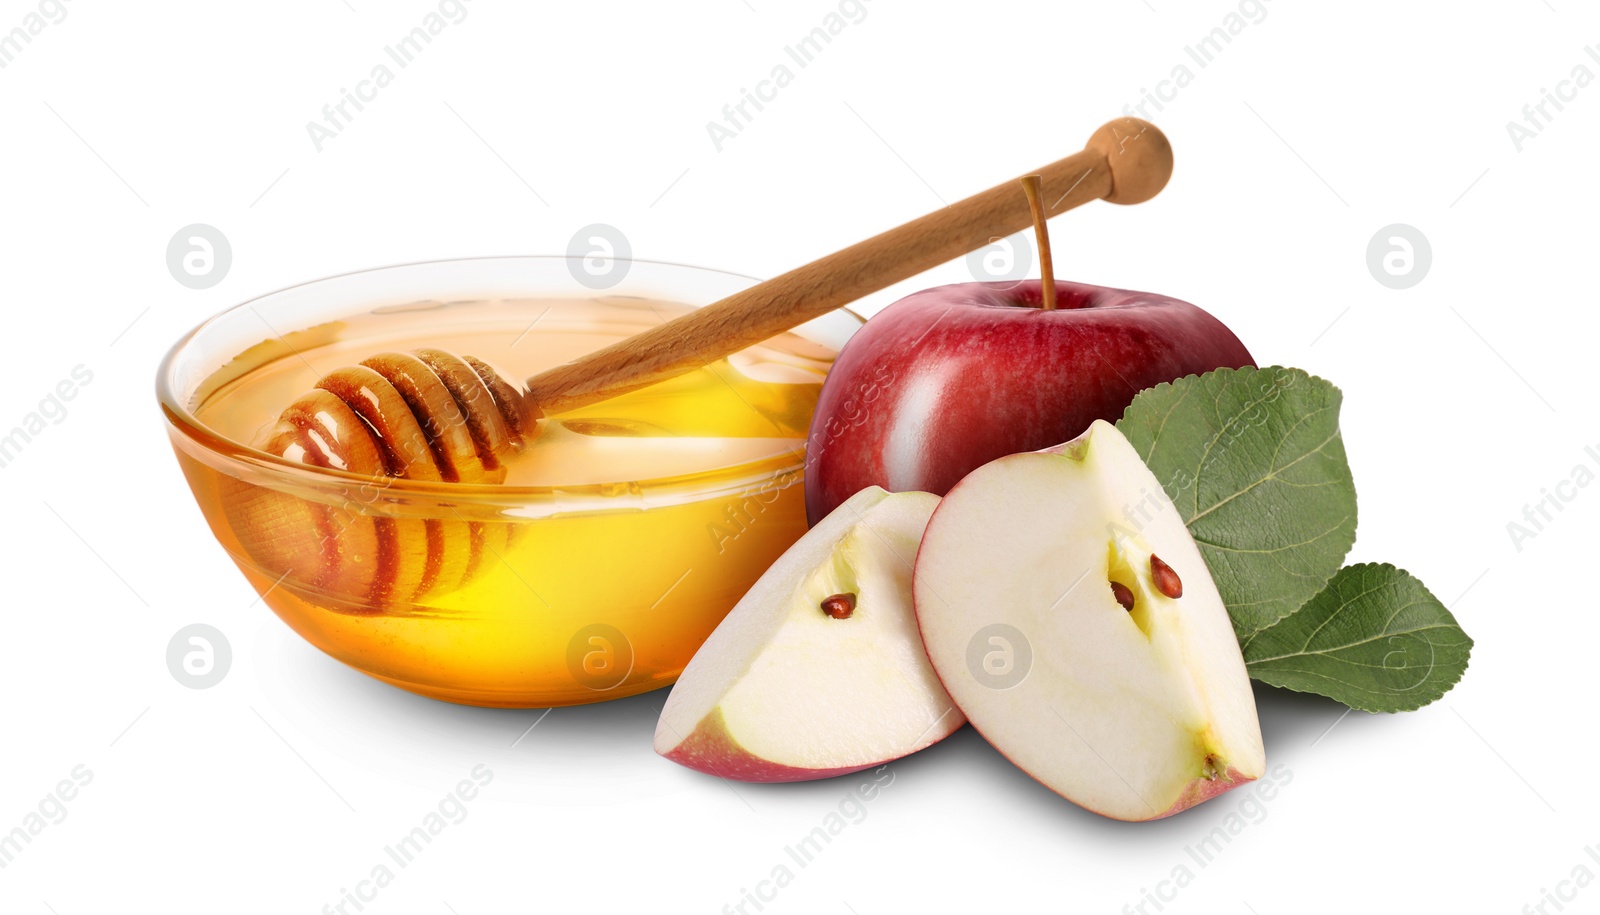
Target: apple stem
[(1047, 274)]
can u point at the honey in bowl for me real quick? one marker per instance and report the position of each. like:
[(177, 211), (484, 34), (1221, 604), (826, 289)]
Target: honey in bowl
[(612, 547)]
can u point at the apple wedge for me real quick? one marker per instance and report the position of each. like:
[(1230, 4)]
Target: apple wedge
[(818, 671), (1067, 611)]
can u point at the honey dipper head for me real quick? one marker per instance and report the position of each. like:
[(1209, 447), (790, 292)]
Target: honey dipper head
[(425, 415)]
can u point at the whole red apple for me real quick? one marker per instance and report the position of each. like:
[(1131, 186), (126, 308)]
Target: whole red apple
[(948, 379)]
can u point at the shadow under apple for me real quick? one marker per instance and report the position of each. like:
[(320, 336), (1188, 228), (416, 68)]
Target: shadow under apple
[(368, 721), (1291, 720)]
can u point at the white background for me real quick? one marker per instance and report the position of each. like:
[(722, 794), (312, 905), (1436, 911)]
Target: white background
[(1466, 397)]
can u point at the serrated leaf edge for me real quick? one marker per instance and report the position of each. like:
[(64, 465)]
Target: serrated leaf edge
[(1445, 686)]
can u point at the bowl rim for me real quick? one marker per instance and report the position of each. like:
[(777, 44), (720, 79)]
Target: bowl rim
[(180, 417)]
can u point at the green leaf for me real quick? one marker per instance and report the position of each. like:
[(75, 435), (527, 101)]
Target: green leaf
[(1374, 639), (1254, 461)]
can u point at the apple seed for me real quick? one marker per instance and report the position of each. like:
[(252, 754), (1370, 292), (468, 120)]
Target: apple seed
[(840, 606), (1166, 580), (1123, 595)]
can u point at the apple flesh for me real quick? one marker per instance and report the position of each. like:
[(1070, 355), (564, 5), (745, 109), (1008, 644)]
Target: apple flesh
[(948, 379), (819, 670), (1133, 713)]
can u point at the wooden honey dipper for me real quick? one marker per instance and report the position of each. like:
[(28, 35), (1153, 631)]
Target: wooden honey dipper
[(433, 416)]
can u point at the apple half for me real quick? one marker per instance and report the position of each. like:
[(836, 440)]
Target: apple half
[(1067, 611), (819, 670)]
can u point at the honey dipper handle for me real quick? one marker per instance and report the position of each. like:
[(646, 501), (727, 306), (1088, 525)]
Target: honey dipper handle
[(1126, 161)]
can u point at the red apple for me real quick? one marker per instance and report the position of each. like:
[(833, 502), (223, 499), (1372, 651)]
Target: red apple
[(947, 379)]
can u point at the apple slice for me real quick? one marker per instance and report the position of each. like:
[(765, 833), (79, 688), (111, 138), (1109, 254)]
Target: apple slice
[(1069, 614), (818, 671)]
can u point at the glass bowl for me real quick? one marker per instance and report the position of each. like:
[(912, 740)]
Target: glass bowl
[(618, 541)]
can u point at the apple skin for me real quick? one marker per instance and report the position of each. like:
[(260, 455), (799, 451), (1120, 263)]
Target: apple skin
[(950, 378), (1201, 790), (712, 750), (1198, 792)]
